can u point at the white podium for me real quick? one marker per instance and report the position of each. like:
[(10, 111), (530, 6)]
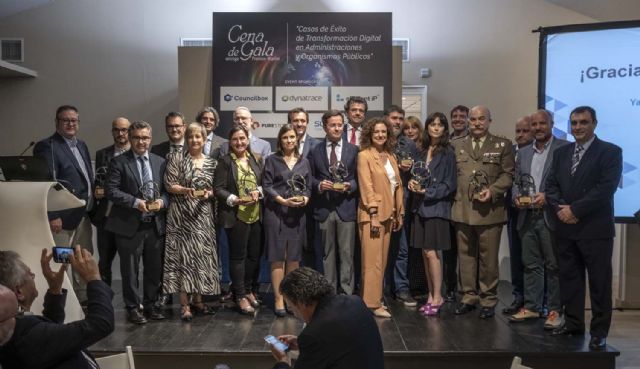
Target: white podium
[(24, 227)]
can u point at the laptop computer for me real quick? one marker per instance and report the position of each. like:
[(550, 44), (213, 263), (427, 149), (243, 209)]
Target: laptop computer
[(25, 168)]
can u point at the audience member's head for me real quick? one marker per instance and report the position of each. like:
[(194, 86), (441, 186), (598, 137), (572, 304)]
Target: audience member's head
[(303, 289), (299, 118), (395, 115), (8, 311), (412, 129), (174, 124), (208, 117), (120, 131), (459, 116), (242, 117), (479, 121), (333, 124), (17, 276), (524, 135)]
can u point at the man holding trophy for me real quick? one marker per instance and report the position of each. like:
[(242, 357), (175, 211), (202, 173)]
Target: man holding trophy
[(536, 223), (333, 167), (136, 188), (485, 169)]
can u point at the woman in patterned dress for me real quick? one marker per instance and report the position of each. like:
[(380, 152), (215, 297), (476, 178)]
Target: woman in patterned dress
[(191, 261)]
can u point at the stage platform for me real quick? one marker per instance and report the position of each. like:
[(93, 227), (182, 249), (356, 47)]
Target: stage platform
[(410, 340)]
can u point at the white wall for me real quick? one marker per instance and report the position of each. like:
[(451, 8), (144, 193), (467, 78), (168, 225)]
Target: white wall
[(119, 57)]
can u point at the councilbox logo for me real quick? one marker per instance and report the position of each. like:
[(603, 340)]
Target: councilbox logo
[(301, 98), (241, 98)]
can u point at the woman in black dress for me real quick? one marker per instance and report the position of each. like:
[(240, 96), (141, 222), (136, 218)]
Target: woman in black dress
[(237, 185), (286, 183), (432, 206)]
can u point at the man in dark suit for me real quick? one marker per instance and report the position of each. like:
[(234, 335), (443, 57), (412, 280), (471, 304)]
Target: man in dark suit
[(355, 109), (396, 275), (299, 118), (138, 220), (524, 137), (583, 178), (174, 124), (106, 240), (335, 204), (210, 119), (70, 163), (45, 341), (340, 331), (536, 223)]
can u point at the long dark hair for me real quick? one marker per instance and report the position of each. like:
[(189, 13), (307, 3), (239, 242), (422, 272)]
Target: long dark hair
[(367, 134), (284, 129), (443, 143)]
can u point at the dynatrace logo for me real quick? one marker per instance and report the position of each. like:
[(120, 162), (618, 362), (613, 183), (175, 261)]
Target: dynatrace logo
[(296, 98), (594, 73), (228, 97)]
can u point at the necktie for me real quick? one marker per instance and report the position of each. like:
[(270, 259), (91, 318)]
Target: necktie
[(352, 140), (83, 168), (146, 176), (175, 148), (575, 160), (333, 158), (476, 146)]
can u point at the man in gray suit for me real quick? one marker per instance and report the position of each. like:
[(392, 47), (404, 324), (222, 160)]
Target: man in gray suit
[(242, 116), (210, 118), (536, 223)]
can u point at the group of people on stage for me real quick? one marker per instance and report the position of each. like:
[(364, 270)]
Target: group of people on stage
[(364, 195)]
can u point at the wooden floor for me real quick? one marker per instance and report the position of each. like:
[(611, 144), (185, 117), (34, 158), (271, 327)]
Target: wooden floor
[(409, 339)]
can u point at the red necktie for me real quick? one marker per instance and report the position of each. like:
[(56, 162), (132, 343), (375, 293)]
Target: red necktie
[(352, 140)]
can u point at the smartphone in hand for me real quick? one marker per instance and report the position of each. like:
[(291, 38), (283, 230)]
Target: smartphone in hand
[(62, 254), (279, 345)]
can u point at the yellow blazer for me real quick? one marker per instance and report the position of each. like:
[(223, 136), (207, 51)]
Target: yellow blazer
[(375, 187)]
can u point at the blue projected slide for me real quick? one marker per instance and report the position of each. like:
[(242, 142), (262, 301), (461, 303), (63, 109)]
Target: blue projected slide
[(600, 68)]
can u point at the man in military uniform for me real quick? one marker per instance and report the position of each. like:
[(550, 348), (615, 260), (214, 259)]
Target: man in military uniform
[(485, 172)]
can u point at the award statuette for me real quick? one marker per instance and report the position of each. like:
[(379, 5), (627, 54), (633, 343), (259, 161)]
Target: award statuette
[(101, 179), (338, 174), (403, 157), (297, 187), (151, 193), (478, 182), (199, 183), (247, 185), (421, 173), (526, 189)]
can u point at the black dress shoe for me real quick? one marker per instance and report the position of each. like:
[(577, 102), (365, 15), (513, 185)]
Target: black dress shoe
[(515, 306), (564, 331), (450, 296), (463, 308), (597, 343), (154, 313), (136, 317), (487, 312)]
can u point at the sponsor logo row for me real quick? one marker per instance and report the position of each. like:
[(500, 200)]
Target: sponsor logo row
[(288, 97)]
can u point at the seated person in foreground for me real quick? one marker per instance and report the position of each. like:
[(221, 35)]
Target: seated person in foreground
[(340, 331), (44, 341)]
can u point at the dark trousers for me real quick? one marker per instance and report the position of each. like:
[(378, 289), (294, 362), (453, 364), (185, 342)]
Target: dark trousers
[(245, 247), (107, 251), (396, 278), (594, 256), (146, 243), (309, 248), (450, 263), (515, 255)]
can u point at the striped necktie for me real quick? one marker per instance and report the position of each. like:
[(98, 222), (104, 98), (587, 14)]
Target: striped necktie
[(575, 160)]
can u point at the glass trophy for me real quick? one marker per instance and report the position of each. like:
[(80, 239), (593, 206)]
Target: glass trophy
[(526, 189), (151, 193), (101, 181), (297, 187), (403, 156), (478, 182), (420, 173), (339, 173), (247, 185)]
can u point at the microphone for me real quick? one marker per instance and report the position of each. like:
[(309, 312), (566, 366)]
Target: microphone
[(53, 160), (27, 148)]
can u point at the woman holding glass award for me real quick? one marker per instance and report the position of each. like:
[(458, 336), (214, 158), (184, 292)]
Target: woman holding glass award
[(191, 260), (286, 183), (381, 209), (433, 184), (237, 185)]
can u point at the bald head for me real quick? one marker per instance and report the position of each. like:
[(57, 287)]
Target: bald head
[(524, 135), (479, 121), (8, 311), (120, 132)]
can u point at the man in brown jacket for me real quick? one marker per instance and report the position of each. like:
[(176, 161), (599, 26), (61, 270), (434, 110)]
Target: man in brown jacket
[(485, 171)]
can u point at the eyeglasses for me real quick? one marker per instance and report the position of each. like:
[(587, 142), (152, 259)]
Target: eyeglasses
[(69, 122), (141, 138), (119, 130), (175, 126)]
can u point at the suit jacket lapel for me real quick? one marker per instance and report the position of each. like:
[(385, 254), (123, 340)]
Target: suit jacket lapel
[(70, 156), (547, 164), (585, 160), (133, 168), (155, 169)]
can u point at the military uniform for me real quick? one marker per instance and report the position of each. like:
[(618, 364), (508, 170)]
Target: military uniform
[(479, 225)]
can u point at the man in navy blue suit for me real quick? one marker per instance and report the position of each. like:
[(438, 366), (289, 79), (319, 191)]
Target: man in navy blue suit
[(335, 203), (580, 188), (70, 163)]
